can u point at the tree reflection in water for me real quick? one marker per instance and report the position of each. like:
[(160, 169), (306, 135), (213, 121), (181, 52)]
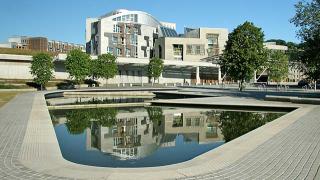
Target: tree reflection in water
[(156, 117), (78, 119), (234, 124)]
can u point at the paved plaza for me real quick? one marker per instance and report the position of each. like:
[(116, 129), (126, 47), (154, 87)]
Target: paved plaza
[(286, 148)]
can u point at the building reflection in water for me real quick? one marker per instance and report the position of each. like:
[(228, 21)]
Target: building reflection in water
[(138, 133)]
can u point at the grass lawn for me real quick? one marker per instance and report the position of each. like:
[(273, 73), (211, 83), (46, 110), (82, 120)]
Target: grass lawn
[(6, 97)]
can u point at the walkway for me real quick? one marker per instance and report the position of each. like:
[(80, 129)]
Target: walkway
[(13, 124)]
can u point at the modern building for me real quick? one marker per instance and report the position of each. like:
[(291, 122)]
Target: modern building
[(193, 45), (40, 44), (136, 36), (125, 33)]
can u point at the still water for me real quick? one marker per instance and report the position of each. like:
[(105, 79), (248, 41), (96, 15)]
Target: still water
[(148, 136)]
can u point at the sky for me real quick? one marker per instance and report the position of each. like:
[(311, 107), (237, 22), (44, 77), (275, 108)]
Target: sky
[(65, 19)]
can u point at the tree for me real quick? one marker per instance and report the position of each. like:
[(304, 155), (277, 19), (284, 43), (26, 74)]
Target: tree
[(307, 19), (42, 68), (104, 67), (155, 68), (78, 65), (278, 66), (244, 52)]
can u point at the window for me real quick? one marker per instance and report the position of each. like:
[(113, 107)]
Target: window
[(136, 18), (114, 39), (119, 52), (133, 39), (213, 45), (127, 29), (212, 40), (116, 28), (177, 51), (195, 49), (110, 50), (135, 30), (128, 52), (160, 52)]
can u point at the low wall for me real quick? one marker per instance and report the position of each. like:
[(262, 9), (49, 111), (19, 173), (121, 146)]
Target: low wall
[(21, 70)]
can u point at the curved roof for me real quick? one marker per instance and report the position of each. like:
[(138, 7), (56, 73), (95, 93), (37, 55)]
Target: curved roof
[(144, 18)]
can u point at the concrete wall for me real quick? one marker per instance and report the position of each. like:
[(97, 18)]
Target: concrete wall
[(15, 70), (21, 70)]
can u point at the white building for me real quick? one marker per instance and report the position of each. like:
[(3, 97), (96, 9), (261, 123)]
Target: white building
[(135, 37), (123, 33)]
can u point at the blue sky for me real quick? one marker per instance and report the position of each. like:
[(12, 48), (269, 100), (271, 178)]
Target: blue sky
[(65, 19)]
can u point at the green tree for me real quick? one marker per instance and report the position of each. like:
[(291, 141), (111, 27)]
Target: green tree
[(42, 68), (278, 66), (104, 67), (78, 65), (155, 68), (307, 19), (244, 53)]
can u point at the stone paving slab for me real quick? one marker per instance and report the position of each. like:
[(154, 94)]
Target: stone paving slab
[(286, 148)]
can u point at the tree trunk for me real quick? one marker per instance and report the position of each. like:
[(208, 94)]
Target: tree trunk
[(106, 83), (241, 85), (40, 87), (315, 85)]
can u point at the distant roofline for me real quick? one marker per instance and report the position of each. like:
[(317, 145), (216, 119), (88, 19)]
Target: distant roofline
[(18, 36)]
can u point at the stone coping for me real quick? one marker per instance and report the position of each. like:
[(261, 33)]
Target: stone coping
[(40, 151)]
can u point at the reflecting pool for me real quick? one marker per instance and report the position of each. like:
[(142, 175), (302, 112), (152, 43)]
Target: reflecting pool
[(148, 136)]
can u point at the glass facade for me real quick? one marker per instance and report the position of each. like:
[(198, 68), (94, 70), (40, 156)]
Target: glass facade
[(126, 18)]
